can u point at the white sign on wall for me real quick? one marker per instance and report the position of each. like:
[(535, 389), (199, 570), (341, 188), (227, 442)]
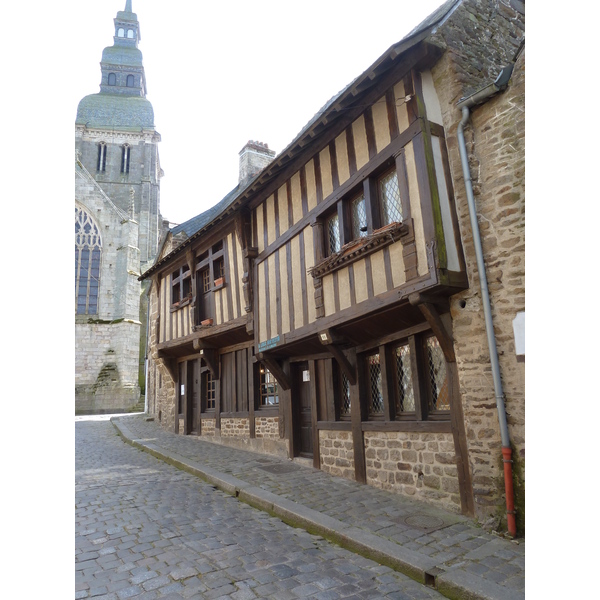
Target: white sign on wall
[(519, 331), (305, 375)]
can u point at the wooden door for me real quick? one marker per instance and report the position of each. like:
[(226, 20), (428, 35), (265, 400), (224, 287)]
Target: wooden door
[(303, 411)]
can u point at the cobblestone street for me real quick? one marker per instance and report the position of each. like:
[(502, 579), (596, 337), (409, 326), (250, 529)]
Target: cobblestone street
[(145, 529)]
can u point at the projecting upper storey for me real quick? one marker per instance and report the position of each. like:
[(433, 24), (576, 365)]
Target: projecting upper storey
[(352, 218)]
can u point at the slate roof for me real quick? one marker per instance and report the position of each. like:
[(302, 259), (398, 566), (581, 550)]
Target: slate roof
[(107, 111)]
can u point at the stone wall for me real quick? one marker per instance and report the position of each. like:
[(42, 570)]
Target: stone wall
[(266, 427), (208, 428), (231, 427), (337, 453), (495, 136), (422, 465)]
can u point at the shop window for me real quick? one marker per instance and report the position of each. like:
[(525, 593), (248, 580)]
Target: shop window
[(209, 389), (269, 389), (414, 385)]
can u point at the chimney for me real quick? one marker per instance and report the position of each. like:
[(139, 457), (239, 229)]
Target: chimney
[(254, 157)]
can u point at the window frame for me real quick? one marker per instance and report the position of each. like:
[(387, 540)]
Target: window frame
[(208, 262), (420, 378), (263, 374), (181, 286)]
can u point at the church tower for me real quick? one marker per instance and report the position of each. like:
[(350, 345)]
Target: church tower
[(117, 225)]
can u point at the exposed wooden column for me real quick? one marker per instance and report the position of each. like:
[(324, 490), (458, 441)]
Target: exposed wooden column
[(314, 413), (358, 411), (457, 422)]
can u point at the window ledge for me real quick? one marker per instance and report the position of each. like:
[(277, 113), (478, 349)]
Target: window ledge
[(181, 303), (357, 249)]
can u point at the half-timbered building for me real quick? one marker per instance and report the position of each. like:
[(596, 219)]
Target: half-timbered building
[(318, 311)]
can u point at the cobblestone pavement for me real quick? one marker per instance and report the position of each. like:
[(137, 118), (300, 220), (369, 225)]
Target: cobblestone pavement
[(456, 543), (145, 529)]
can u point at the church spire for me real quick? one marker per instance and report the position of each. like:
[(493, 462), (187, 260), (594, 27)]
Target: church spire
[(128, 6)]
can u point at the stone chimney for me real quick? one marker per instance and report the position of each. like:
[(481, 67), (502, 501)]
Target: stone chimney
[(254, 157)]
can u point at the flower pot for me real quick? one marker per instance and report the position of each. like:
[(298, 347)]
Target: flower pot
[(206, 322)]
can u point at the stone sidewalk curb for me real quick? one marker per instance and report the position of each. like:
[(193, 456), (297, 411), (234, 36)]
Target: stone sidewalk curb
[(455, 584)]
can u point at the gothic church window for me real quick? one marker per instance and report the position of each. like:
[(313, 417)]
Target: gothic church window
[(112, 79), (129, 80), (88, 252), (101, 166)]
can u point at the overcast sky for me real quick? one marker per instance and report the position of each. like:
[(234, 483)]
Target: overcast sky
[(222, 73)]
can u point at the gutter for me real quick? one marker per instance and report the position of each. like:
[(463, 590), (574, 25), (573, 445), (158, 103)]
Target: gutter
[(465, 105)]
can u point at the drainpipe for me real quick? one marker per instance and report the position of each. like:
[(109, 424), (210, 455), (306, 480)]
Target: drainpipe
[(465, 105)]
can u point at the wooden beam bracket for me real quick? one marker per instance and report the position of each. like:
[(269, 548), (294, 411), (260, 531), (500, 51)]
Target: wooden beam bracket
[(210, 356), (275, 368), (330, 339), (427, 306)]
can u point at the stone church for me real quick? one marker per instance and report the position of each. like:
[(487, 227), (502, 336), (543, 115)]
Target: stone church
[(117, 225)]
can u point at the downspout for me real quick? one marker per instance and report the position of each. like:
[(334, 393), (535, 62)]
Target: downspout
[(465, 105)]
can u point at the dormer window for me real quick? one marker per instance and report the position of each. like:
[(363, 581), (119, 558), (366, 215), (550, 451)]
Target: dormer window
[(112, 79), (121, 32), (130, 34), (129, 80)]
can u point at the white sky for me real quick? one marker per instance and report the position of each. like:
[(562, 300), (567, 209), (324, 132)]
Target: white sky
[(222, 73)]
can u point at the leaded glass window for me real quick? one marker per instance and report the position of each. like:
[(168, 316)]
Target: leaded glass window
[(345, 396), (88, 253), (439, 398), (389, 197), (333, 234), (374, 387), (359, 217), (405, 397)]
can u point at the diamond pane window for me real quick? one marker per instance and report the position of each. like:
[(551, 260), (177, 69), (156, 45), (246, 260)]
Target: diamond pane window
[(405, 399), (333, 234), (389, 197), (88, 250), (345, 393), (375, 391), (438, 383), (359, 217)]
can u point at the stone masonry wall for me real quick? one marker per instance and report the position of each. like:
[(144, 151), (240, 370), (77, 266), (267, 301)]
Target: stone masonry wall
[(266, 427), (337, 453), (422, 465), (232, 427), (208, 427), (495, 136)]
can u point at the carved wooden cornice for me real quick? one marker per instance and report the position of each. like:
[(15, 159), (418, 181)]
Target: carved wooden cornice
[(357, 249)]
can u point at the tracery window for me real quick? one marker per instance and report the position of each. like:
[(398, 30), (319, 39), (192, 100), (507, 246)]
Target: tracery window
[(88, 253)]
